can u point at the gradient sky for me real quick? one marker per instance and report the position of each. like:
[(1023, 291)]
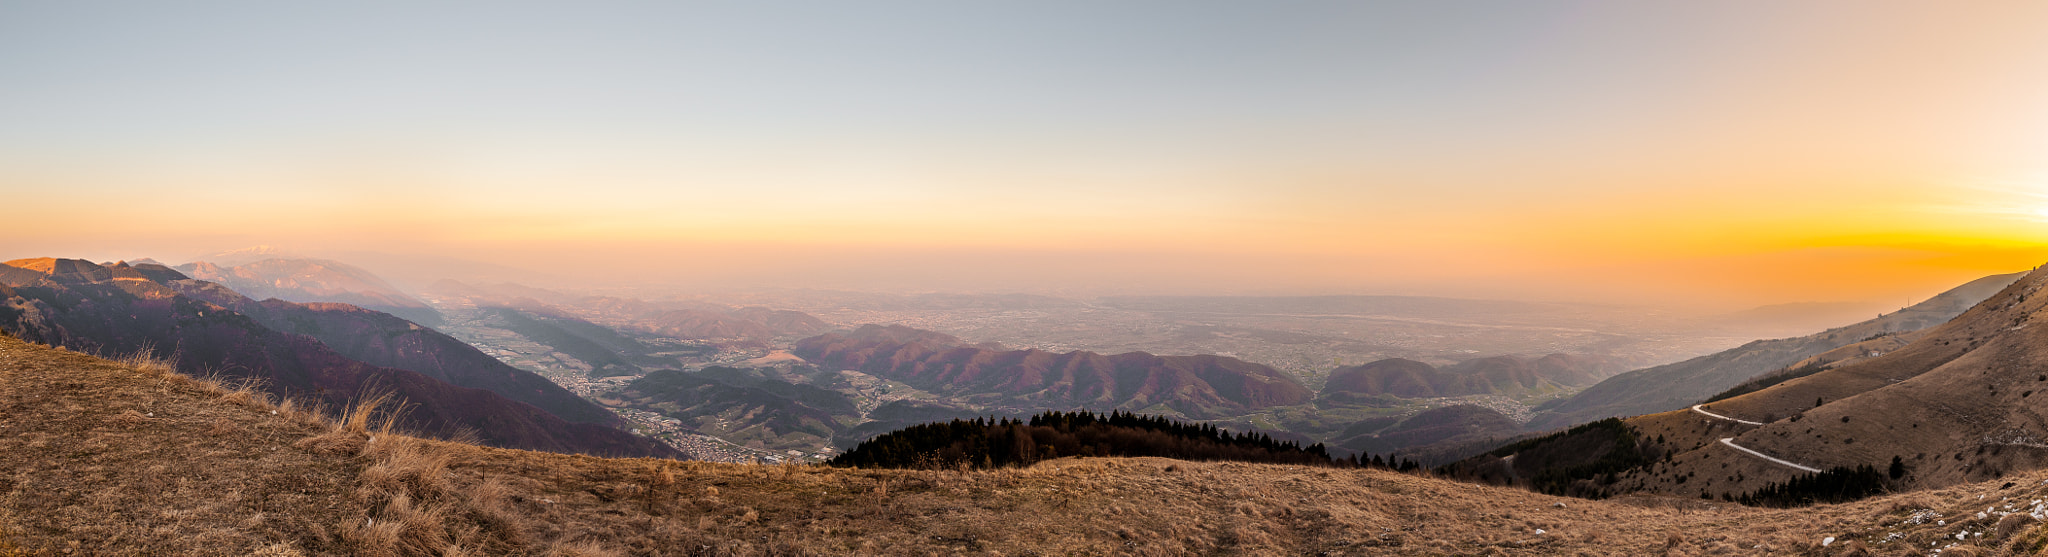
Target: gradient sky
[(1709, 153)]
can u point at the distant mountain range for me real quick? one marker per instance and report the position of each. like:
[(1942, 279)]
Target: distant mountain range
[(123, 309), (309, 280), (1479, 376), (1441, 436), (1192, 386), (678, 320)]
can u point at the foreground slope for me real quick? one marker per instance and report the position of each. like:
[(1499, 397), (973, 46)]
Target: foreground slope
[(115, 459)]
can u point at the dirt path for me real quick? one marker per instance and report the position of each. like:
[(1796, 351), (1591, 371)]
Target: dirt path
[(1696, 408), (1730, 442)]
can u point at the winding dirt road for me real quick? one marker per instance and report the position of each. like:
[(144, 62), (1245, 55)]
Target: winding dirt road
[(1696, 408), (1730, 442)]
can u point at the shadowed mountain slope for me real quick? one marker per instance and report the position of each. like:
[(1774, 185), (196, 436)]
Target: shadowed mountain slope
[(1430, 437), (1193, 386), (380, 339), (606, 351), (125, 316)]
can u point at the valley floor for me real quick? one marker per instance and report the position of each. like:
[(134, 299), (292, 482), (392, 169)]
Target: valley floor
[(111, 458)]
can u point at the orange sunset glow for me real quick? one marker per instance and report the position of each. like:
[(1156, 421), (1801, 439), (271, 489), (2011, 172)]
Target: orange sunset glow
[(1716, 155)]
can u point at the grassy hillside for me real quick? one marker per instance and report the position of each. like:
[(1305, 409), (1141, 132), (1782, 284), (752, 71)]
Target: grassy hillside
[(1677, 385), (132, 459), (1945, 406)]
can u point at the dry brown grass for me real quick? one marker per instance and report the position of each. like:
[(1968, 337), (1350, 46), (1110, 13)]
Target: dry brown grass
[(126, 459), (133, 458)]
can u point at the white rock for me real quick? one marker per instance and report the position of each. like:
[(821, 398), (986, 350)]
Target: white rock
[(1827, 540)]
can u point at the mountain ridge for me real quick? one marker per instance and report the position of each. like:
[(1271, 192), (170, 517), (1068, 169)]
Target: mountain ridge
[(1194, 386), (1953, 405), (306, 280), (1675, 385), (74, 307)]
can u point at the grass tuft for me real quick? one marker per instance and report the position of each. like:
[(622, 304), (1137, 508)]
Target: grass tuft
[(581, 549)]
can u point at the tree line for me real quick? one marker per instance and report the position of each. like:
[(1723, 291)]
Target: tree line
[(986, 443), (1840, 484)]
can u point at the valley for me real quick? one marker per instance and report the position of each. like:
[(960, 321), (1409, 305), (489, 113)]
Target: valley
[(750, 383), (1305, 336), (753, 384), (622, 339)]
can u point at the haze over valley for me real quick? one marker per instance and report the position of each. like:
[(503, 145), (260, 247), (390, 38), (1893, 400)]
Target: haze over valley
[(1057, 278)]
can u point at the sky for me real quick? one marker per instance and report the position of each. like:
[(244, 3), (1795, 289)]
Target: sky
[(1724, 154)]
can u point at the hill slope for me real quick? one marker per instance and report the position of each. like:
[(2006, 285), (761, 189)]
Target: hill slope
[(1955, 405), (1193, 386), (128, 314), (744, 408), (1478, 376), (155, 464), (380, 339), (1430, 437), (1674, 386)]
